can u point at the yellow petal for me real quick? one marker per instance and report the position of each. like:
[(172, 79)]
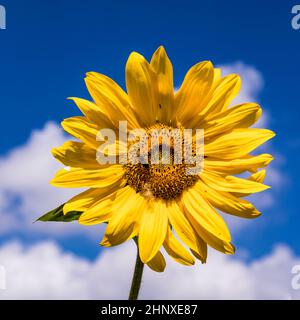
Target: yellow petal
[(77, 177), (241, 116), (227, 202), (153, 230), (191, 96), (142, 88), (82, 129), (209, 238), (93, 113), (76, 154), (196, 254), (177, 251), (221, 96), (163, 68), (99, 212), (257, 177), (124, 224), (158, 263), (109, 153), (91, 135), (185, 231), (85, 200), (111, 99), (237, 143), (217, 76), (237, 166), (206, 216), (231, 183)]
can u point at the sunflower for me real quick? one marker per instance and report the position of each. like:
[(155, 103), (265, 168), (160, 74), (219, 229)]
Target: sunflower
[(161, 205)]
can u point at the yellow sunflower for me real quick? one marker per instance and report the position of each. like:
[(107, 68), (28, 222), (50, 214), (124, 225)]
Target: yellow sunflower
[(161, 205)]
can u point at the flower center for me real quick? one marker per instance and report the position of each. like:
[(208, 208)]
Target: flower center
[(163, 172)]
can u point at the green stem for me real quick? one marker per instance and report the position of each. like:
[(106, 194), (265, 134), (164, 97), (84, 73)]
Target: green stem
[(137, 278)]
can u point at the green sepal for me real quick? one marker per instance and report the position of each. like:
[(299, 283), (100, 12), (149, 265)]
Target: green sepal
[(59, 216)]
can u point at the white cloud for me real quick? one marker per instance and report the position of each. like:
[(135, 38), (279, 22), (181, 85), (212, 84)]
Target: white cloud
[(44, 271), (227, 278), (25, 192)]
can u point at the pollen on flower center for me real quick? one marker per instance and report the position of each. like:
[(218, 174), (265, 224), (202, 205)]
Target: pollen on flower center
[(159, 178)]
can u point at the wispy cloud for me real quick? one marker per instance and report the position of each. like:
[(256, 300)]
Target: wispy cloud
[(25, 192), (45, 271)]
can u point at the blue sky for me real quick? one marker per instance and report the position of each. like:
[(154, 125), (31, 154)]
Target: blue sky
[(49, 45)]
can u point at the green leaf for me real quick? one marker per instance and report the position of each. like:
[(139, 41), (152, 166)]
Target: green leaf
[(59, 216)]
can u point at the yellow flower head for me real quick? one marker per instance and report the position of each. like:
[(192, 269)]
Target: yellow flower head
[(157, 203)]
